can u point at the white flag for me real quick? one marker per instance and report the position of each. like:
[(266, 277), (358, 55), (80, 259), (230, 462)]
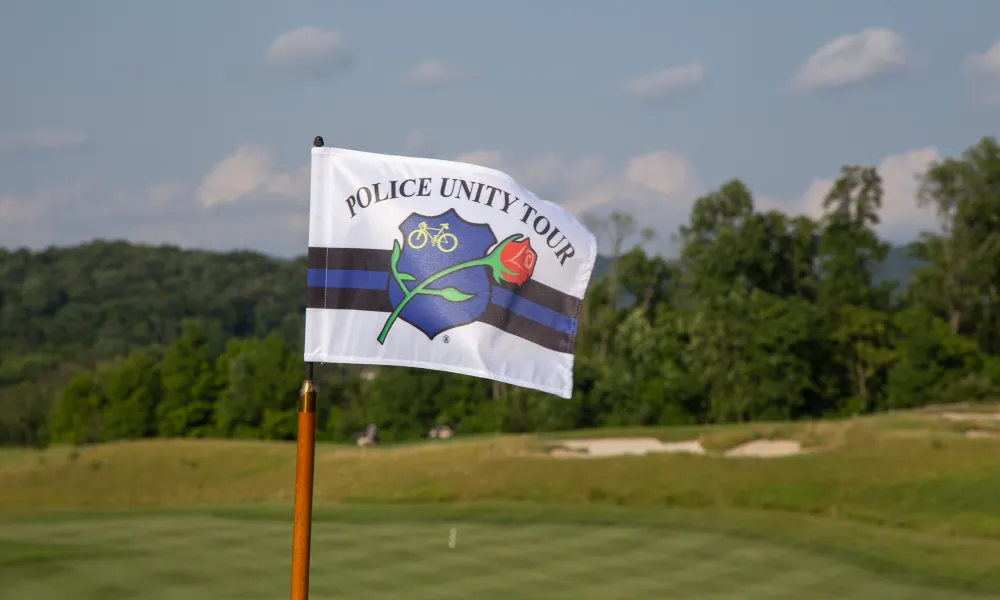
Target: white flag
[(442, 265)]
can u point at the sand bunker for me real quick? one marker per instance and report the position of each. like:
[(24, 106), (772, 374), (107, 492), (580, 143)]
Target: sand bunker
[(607, 447), (955, 416), (982, 434), (766, 449), (624, 447)]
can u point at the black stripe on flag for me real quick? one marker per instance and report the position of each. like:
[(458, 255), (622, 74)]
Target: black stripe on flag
[(348, 299), (513, 324), (543, 295), (358, 259), (349, 259)]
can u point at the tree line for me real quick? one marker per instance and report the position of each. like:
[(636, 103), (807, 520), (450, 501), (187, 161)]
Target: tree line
[(763, 316)]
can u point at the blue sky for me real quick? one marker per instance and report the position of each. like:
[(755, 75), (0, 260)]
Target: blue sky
[(190, 122)]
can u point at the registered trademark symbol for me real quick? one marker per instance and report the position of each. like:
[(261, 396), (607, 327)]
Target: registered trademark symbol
[(446, 339)]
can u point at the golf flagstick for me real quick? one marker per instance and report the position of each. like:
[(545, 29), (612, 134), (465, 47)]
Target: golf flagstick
[(305, 454), (443, 246)]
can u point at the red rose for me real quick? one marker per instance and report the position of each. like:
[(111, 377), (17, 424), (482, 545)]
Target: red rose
[(517, 256)]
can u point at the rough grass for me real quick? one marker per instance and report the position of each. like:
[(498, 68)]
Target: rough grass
[(883, 505), (885, 471)]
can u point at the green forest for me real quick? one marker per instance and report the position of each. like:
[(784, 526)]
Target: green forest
[(763, 316)]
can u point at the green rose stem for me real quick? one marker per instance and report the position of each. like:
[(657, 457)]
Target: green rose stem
[(492, 260)]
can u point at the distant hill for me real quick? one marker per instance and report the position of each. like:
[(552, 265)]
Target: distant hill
[(898, 266), (81, 304), (98, 300)]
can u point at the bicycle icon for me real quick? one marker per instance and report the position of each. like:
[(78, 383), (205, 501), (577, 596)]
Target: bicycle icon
[(418, 238)]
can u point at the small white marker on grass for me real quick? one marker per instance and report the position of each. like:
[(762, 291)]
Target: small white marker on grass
[(452, 538)]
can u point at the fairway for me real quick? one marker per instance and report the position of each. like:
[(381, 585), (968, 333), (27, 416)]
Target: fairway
[(890, 507), (169, 556)]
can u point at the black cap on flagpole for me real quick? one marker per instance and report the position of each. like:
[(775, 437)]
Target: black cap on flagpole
[(318, 142)]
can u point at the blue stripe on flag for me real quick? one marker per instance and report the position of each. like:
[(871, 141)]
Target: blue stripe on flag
[(535, 312), (378, 281), (363, 280)]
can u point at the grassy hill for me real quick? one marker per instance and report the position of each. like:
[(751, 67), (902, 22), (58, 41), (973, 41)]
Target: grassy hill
[(851, 469), (894, 506)]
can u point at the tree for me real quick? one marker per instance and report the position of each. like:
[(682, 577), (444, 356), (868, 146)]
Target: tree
[(713, 256), (961, 277), (648, 280), (237, 412), (615, 230), (189, 386), (131, 390), (751, 349), (932, 362), (850, 252), (849, 247), (866, 335), (76, 414)]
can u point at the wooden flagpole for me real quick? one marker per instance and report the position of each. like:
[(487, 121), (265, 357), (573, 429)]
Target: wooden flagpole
[(305, 454)]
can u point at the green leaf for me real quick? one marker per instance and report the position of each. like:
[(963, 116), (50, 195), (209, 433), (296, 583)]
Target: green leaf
[(400, 278), (452, 294), (395, 254)]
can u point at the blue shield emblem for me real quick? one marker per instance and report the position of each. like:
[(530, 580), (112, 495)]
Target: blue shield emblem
[(430, 246)]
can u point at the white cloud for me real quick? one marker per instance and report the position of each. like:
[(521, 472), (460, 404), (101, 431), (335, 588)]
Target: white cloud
[(547, 176), (657, 188), (986, 69), (666, 84), (240, 189), (18, 210), (853, 58), (901, 218), (664, 172), (43, 139), (493, 159), (84, 210), (986, 64), (248, 172), (164, 195), (436, 74), (89, 200), (589, 184), (313, 50)]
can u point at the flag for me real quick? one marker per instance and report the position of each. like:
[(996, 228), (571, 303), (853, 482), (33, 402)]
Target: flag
[(442, 265)]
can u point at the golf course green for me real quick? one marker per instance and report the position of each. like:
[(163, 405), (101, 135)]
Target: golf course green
[(888, 507)]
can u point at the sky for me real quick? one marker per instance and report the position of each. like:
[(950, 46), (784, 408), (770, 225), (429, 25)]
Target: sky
[(190, 122)]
